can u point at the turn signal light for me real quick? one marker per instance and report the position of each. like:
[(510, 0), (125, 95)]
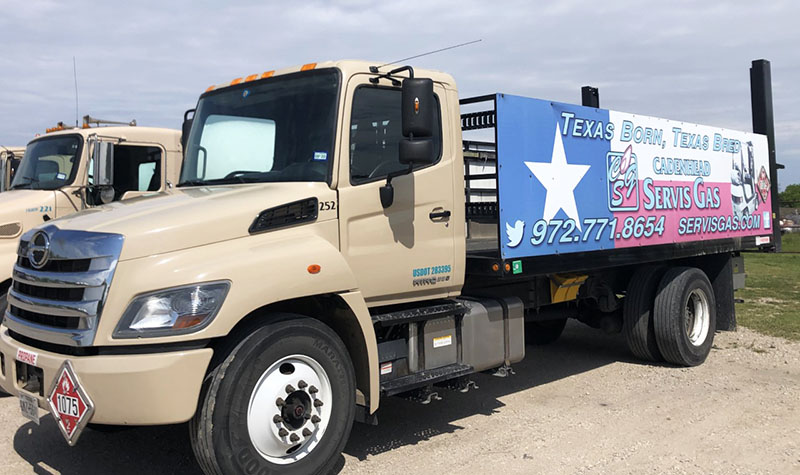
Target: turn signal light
[(314, 269)]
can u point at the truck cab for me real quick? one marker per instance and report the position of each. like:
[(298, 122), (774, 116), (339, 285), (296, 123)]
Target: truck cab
[(56, 177), (9, 161)]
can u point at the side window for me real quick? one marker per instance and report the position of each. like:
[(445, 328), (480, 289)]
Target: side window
[(136, 168), (148, 177), (375, 134)]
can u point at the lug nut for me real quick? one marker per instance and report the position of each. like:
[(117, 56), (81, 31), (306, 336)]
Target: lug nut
[(313, 390), (317, 403), (302, 384), (306, 432), (277, 419), (289, 389), (280, 402), (315, 419), (283, 432), (294, 438)]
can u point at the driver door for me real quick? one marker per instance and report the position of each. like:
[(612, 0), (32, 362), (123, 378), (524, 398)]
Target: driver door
[(407, 250)]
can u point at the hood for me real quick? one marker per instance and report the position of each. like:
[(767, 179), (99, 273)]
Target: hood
[(190, 217), (24, 209)]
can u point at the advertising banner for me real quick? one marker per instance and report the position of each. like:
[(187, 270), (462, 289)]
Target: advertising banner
[(574, 179)]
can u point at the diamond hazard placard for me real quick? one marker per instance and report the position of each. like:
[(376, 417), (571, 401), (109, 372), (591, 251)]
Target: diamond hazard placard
[(69, 404)]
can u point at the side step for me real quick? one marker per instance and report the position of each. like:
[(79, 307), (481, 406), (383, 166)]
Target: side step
[(444, 308), (424, 378)]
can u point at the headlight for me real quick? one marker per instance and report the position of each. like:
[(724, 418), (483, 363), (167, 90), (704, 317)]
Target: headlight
[(175, 311)]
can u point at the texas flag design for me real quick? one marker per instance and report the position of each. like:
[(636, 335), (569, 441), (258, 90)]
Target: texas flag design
[(574, 179)]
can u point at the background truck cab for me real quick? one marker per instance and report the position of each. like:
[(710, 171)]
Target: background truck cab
[(59, 175)]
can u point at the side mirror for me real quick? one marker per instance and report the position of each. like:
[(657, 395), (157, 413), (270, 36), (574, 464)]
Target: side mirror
[(187, 127), (417, 151), (3, 174), (418, 107), (103, 158)]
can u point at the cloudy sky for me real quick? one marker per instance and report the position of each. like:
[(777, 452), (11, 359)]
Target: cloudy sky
[(149, 60)]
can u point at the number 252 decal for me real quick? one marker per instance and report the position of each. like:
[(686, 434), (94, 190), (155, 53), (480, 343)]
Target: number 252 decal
[(327, 205)]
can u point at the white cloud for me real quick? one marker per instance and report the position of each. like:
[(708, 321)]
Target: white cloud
[(150, 60)]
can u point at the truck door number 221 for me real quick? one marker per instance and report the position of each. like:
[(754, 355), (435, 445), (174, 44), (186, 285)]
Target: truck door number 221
[(327, 205)]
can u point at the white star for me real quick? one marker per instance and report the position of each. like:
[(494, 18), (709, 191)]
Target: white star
[(560, 179)]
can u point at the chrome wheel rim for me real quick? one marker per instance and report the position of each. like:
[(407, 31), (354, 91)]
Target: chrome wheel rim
[(289, 409), (697, 317)]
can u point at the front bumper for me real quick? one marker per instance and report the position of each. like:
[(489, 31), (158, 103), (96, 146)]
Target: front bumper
[(136, 389)]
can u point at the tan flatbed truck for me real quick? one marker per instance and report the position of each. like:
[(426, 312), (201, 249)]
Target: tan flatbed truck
[(56, 177), (9, 161), (333, 240)]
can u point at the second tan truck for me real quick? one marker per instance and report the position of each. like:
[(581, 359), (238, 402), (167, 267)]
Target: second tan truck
[(56, 177)]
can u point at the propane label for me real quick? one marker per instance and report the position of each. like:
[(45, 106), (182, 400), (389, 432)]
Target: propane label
[(443, 341)]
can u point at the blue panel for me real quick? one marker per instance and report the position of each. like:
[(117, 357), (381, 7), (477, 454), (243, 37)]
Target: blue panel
[(531, 167)]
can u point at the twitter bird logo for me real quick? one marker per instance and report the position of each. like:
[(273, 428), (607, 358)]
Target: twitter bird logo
[(515, 233)]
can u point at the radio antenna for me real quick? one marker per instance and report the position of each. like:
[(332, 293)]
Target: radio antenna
[(432, 52), (75, 77)]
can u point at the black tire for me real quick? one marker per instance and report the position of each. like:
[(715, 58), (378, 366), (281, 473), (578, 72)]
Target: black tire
[(637, 313), (544, 332), (219, 430), (680, 292)]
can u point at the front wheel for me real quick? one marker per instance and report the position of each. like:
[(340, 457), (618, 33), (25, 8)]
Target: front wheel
[(282, 401)]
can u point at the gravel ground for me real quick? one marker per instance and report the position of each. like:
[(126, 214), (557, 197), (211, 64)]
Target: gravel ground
[(581, 405)]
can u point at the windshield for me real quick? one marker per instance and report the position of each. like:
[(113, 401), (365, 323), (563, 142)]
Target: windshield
[(49, 163), (278, 129)]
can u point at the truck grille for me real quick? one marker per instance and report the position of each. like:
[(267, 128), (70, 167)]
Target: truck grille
[(66, 265), (60, 299)]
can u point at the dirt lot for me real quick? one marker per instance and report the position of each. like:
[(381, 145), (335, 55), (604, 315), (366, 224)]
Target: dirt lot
[(581, 405)]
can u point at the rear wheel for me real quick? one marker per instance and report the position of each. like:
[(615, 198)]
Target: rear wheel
[(685, 316), (637, 316), (545, 331), (281, 402)]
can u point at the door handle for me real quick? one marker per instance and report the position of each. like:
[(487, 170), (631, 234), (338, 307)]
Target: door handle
[(439, 215)]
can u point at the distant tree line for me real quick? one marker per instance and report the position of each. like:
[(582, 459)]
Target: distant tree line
[(790, 197)]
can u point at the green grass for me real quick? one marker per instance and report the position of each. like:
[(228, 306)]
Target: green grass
[(791, 242), (772, 295)]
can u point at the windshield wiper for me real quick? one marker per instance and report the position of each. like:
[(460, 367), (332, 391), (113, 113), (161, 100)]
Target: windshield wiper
[(29, 184), (192, 183)]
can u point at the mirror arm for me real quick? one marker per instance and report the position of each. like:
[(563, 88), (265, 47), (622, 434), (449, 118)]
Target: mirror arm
[(387, 190), (395, 82)]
